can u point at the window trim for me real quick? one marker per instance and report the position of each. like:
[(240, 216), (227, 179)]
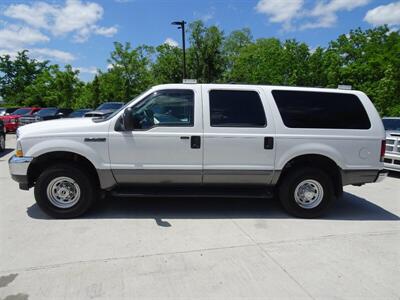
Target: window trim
[(174, 125), (237, 126), (320, 128)]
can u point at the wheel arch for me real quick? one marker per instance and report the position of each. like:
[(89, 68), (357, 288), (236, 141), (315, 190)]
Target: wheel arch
[(319, 161), (47, 159)]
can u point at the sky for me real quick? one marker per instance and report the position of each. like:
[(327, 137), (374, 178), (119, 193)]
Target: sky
[(82, 32)]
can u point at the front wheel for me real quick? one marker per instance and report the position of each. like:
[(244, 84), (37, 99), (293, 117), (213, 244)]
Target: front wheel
[(306, 192), (65, 191)]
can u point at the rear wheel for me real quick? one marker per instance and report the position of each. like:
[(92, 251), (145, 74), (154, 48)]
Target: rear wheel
[(65, 191), (306, 192)]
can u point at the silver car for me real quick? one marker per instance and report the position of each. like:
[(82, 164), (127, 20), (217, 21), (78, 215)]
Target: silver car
[(392, 153)]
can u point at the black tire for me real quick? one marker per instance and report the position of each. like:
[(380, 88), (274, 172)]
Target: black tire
[(87, 186), (2, 142), (291, 181)]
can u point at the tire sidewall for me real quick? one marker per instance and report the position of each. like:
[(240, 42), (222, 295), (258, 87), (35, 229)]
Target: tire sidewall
[(288, 187), (3, 137), (86, 186)]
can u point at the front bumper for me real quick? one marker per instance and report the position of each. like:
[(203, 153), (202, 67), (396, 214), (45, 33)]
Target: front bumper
[(19, 170), (392, 161), (11, 127)]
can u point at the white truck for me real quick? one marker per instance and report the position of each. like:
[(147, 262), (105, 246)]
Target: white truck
[(300, 144)]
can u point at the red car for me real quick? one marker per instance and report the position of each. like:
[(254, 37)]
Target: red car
[(11, 121)]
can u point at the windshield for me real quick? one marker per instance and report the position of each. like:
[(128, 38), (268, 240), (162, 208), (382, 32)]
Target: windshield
[(2, 111), (21, 111), (47, 112), (391, 124), (105, 106)]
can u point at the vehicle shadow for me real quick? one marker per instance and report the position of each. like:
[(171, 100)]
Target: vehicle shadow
[(349, 207), (394, 174), (5, 152)]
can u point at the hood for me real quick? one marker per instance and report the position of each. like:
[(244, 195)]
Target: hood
[(393, 133), (10, 117), (59, 127)]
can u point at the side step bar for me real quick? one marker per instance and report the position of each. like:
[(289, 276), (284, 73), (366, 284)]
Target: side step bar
[(192, 192)]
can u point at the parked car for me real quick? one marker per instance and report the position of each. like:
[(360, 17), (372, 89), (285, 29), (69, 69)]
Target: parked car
[(11, 121), (105, 109), (45, 114), (2, 136), (79, 113), (304, 144), (5, 111), (392, 153)]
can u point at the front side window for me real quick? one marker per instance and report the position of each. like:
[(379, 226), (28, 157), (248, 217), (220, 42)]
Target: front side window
[(304, 109), (174, 108), (236, 109)]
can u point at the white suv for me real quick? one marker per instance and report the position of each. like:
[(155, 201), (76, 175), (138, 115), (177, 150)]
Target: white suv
[(208, 140)]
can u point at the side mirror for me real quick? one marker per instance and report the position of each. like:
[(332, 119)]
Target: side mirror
[(128, 119)]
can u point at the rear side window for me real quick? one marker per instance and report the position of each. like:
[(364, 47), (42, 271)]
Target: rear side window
[(321, 110), (236, 109)]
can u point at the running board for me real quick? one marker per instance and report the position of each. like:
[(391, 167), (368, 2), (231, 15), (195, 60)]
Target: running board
[(192, 192)]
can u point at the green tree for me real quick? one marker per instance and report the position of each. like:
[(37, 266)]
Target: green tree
[(54, 87), (132, 67), (16, 74), (369, 61), (168, 65), (295, 59), (95, 92), (233, 44), (205, 56), (260, 63)]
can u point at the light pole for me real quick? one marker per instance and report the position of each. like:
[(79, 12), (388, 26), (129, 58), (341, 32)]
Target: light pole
[(181, 25)]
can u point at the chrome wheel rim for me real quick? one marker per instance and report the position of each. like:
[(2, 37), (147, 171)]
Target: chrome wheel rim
[(2, 142), (63, 192), (309, 194)]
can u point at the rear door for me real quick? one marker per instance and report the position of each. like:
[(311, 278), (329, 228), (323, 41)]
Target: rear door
[(239, 135)]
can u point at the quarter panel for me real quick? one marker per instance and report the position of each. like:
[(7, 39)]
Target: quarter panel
[(349, 148)]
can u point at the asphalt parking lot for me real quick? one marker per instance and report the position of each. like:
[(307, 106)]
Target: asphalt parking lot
[(202, 248)]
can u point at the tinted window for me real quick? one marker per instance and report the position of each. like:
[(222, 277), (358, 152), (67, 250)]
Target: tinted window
[(391, 124), (321, 110), (165, 108), (47, 112), (236, 109), (21, 111)]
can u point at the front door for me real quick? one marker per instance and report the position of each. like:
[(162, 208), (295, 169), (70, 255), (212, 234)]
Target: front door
[(167, 145), (238, 136)]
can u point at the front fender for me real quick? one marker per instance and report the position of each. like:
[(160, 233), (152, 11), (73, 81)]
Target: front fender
[(96, 153)]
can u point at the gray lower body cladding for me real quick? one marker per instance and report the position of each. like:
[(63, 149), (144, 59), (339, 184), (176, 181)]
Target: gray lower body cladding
[(110, 178)]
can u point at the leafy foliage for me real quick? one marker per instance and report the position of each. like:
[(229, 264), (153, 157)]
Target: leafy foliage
[(368, 60)]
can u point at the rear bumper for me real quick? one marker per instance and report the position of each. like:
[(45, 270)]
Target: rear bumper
[(19, 170), (359, 177)]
